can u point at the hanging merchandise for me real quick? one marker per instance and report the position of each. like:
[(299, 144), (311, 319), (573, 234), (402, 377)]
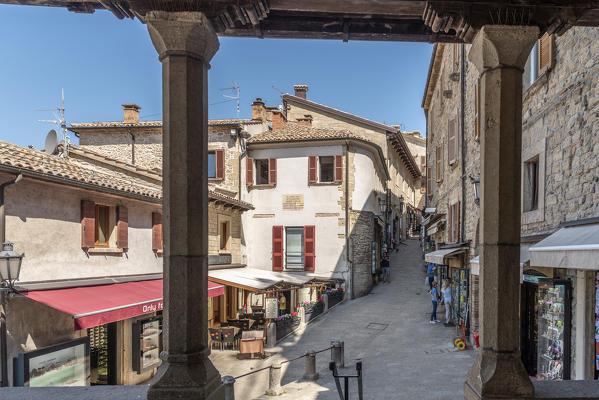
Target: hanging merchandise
[(554, 330)]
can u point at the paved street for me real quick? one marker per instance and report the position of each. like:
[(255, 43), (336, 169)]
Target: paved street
[(404, 357)]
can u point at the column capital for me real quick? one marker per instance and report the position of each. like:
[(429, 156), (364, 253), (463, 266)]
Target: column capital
[(502, 46), (182, 33)]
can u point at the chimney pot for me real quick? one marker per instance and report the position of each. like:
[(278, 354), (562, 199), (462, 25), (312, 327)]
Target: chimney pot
[(131, 113), (258, 110), (300, 90)]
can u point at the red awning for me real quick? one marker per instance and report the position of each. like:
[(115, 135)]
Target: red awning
[(97, 305)]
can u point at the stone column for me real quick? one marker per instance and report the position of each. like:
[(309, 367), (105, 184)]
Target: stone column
[(500, 53), (185, 42)]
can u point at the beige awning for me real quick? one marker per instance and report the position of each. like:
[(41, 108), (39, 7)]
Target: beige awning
[(256, 279), (434, 228), (524, 258), (575, 247), (441, 256)]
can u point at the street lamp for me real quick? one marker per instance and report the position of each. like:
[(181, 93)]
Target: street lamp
[(383, 205), (10, 268), (476, 183)]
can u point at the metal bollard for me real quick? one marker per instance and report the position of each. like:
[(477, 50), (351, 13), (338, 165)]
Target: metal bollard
[(337, 353), (271, 335), (325, 300), (310, 373), (229, 384), (274, 380)]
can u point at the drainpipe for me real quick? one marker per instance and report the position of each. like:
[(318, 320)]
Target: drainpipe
[(3, 333), (462, 133), (347, 255), (132, 146)]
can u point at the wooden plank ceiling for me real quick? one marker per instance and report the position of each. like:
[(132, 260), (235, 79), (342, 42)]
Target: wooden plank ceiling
[(383, 20)]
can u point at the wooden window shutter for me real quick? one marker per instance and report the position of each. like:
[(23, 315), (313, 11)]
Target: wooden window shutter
[(88, 224), (429, 181), (220, 164), (249, 171), (122, 228), (450, 224), (312, 164), (277, 248), (546, 56), (477, 109), (272, 171), (338, 168), (456, 222), (439, 164), (451, 142), (156, 231), (309, 248)]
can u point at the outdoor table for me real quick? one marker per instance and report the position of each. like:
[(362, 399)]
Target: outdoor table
[(252, 342)]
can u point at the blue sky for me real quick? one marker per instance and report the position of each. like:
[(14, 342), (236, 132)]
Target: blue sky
[(102, 62)]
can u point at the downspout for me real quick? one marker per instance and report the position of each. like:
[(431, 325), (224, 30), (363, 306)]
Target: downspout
[(462, 133), (347, 255), (132, 146)]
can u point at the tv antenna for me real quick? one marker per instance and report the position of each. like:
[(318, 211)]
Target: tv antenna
[(59, 120), (235, 90)]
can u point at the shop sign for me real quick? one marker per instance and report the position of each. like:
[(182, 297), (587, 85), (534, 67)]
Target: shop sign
[(66, 364), (272, 308)]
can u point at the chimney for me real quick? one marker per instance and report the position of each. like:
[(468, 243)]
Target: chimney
[(278, 120), (131, 113), (258, 110), (305, 121), (300, 90)]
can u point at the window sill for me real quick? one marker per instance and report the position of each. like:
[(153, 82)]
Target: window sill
[(262, 186), (533, 88), (324, 183), (159, 253), (216, 179), (105, 250), (225, 252)]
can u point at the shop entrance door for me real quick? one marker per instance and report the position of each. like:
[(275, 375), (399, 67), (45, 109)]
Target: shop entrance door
[(529, 326), (102, 345)]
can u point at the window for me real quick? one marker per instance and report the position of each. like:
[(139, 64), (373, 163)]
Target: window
[(452, 142), (224, 234), (531, 185), (327, 169), (211, 164), (429, 181), (439, 163), (540, 60), (102, 224), (262, 172), (294, 252)]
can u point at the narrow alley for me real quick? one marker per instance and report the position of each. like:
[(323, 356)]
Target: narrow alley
[(388, 329)]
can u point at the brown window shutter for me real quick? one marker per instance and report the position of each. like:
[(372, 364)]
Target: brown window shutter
[(122, 228), (439, 164), (338, 168), (546, 56), (312, 163), (88, 224), (429, 181), (249, 171), (456, 213), (477, 109), (156, 231), (277, 248), (272, 171), (309, 248), (450, 224), (220, 164), (451, 142)]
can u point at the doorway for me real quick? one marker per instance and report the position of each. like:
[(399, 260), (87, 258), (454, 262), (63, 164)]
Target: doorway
[(102, 351)]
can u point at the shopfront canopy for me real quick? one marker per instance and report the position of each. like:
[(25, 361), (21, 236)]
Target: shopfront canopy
[(255, 279), (575, 247), (441, 256), (97, 305), (524, 258)]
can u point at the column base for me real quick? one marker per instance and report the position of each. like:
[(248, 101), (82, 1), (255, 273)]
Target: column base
[(187, 381), (498, 376)]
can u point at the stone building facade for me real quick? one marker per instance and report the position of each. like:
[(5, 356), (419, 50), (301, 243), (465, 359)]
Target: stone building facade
[(560, 143)]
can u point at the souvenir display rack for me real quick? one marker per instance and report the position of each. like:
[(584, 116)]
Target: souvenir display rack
[(146, 344), (554, 337)]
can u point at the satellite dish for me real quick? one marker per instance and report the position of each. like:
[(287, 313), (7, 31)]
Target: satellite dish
[(51, 146)]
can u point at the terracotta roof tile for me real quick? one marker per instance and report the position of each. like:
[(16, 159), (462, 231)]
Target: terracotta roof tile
[(296, 132), (154, 124)]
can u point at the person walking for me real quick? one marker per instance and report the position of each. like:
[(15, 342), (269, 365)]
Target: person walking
[(434, 295), (446, 292), (386, 268), (431, 274), (282, 305)]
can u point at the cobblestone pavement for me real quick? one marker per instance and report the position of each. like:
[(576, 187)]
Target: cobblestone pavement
[(403, 356)]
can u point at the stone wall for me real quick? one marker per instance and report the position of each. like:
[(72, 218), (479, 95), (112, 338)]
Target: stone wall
[(361, 238), (147, 151), (216, 216), (561, 127), (219, 137)]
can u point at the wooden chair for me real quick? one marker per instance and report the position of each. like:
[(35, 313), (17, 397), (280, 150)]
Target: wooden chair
[(215, 337)]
